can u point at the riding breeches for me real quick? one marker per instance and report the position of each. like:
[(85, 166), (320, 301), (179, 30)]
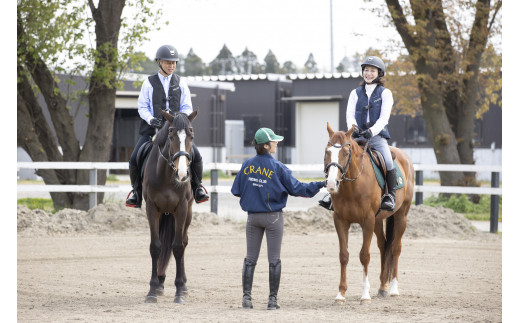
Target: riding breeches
[(272, 224), (140, 142), (381, 144)]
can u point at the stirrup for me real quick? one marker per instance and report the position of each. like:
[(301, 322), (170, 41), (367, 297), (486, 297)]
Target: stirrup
[(392, 201), (326, 203), (204, 199), (136, 205)]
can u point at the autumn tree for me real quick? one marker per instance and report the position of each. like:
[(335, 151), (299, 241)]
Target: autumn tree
[(55, 37), (447, 57)]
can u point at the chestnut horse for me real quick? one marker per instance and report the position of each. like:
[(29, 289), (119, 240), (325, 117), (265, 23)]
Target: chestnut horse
[(168, 197), (356, 198)]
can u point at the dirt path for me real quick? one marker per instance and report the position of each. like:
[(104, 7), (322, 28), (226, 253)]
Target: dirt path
[(100, 273)]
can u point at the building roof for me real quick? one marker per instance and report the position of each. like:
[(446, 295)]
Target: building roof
[(240, 77), (318, 76)]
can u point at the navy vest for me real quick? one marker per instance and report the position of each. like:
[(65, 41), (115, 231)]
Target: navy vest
[(159, 100), (372, 107)]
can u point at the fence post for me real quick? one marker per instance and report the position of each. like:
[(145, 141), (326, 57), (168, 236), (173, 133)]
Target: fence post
[(214, 195), (418, 181), (93, 195), (493, 218)]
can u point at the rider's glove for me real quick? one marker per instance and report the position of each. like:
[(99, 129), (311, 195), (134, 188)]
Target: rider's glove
[(367, 134), (156, 123)]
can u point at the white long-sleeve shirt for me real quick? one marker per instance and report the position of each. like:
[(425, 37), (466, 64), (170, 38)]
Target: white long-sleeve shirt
[(386, 109), (145, 104)]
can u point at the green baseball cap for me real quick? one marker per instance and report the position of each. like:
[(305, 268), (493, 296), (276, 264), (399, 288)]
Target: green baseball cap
[(264, 135)]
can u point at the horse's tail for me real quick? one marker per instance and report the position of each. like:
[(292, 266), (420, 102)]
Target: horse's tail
[(388, 259), (166, 235)]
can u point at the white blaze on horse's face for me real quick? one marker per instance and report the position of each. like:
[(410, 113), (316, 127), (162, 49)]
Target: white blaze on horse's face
[(333, 170), (183, 163)]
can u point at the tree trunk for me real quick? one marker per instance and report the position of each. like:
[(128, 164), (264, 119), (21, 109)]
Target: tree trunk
[(449, 104)]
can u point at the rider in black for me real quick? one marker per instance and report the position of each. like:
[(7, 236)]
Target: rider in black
[(163, 91)]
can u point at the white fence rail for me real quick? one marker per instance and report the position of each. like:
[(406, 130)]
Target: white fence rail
[(214, 189)]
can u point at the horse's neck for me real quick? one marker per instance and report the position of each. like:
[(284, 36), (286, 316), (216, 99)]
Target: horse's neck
[(356, 161)]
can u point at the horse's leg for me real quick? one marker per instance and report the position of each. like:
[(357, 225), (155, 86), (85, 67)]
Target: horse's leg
[(185, 236), (342, 228), (399, 228), (178, 252), (155, 249), (364, 256), (381, 241)]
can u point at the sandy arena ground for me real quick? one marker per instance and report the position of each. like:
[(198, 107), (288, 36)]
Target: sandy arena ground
[(95, 267)]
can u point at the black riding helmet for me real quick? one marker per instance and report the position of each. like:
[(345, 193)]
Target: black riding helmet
[(376, 62), (167, 53)]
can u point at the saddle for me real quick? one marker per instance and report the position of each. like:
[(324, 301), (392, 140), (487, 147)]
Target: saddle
[(379, 165)]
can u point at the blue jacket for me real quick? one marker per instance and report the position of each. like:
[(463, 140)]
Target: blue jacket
[(264, 183)]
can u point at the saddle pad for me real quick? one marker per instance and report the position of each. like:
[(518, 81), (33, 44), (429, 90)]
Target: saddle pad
[(381, 179)]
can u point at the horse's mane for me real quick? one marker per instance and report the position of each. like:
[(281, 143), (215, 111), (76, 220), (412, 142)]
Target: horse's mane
[(180, 121)]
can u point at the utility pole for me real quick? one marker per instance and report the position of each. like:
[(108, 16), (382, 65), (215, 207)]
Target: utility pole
[(331, 42)]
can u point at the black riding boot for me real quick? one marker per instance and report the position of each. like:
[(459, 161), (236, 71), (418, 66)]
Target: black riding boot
[(275, 271), (248, 271), (388, 202), (134, 200), (326, 202), (199, 192)]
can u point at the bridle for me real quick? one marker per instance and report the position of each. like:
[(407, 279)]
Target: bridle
[(344, 169), (171, 158)]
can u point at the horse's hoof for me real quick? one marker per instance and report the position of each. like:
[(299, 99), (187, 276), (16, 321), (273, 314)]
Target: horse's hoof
[(151, 299), (339, 302), (179, 299), (366, 301), (394, 295), (382, 293)]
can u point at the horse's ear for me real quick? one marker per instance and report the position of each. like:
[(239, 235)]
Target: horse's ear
[(349, 133), (192, 116), (167, 116), (329, 129)]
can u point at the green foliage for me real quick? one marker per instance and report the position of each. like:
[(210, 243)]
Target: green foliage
[(37, 203), (462, 204), (271, 63)]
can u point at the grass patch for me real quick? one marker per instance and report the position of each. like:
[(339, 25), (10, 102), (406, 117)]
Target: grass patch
[(37, 203), (461, 204)]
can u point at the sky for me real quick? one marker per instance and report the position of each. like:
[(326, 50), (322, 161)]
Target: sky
[(292, 29)]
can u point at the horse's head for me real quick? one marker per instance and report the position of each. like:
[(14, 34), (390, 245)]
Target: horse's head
[(338, 154), (180, 138)]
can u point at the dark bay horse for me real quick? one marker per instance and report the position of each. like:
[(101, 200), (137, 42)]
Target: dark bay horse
[(356, 197), (168, 196)]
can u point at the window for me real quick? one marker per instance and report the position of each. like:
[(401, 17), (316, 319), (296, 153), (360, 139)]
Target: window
[(251, 125), (415, 130)]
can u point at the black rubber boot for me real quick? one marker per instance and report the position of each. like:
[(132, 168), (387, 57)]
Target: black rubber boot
[(248, 271), (326, 202), (388, 202), (134, 198), (275, 271), (199, 192)]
